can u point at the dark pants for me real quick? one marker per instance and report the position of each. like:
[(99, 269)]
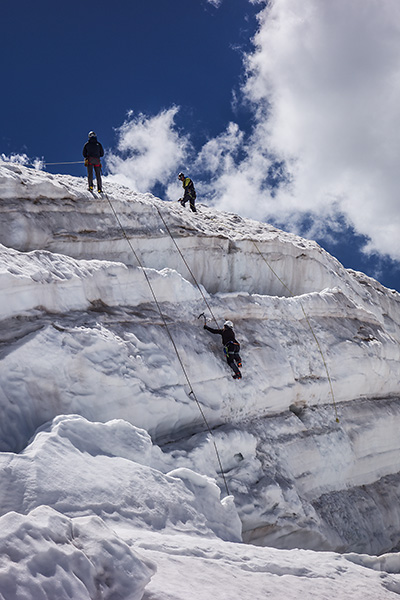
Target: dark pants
[(233, 361), (233, 358), (97, 170), (191, 201)]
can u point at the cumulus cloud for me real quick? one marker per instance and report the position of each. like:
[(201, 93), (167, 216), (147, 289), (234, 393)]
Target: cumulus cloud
[(324, 82), (149, 150), (235, 168)]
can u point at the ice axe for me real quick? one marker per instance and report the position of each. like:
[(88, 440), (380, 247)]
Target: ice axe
[(204, 316)]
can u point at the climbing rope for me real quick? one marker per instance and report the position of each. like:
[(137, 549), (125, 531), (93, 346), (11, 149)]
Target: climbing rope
[(187, 266), (192, 392), (76, 162), (284, 285), (309, 325)]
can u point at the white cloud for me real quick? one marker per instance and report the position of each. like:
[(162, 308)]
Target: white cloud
[(218, 155), (149, 150), (324, 81), (236, 170)]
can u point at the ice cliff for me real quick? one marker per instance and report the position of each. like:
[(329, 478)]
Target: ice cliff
[(93, 396)]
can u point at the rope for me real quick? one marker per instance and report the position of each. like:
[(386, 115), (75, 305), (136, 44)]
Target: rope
[(187, 266), (76, 162), (310, 326), (192, 392)]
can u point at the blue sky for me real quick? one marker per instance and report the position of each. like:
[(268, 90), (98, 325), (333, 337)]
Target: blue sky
[(283, 111), (76, 66)]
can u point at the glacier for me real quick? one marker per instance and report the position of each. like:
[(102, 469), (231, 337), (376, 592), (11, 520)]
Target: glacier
[(110, 482)]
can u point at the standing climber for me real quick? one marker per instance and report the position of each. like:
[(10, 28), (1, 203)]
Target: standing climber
[(93, 151), (231, 347), (189, 192)]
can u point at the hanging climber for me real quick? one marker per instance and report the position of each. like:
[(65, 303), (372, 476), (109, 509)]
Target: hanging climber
[(93, 151), (231, 347), (189, 192)]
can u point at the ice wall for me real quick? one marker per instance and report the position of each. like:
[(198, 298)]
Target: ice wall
[(80, 334)]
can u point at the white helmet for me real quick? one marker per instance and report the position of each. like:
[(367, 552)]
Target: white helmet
[(228, 324), (91, 134)]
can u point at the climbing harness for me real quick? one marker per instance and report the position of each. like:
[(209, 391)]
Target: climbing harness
[(191, 392), (309, 325), (232, 348)]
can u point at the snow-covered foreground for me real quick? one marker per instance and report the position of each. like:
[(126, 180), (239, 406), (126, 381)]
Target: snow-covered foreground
[(110, 482), (90, 514)]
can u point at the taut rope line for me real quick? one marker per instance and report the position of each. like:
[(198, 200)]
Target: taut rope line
[(173, 343), (76, 162), (187, 266), (310, 326)]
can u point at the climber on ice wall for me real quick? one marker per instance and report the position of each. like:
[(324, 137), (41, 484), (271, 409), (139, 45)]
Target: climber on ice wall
[(231, 347)]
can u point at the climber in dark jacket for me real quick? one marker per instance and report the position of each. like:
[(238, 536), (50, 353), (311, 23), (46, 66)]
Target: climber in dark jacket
[(93, 151), (231, 347), (189, 193)]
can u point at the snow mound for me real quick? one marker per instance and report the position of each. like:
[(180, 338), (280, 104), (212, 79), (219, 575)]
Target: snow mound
[(45, 555), (82, 468)]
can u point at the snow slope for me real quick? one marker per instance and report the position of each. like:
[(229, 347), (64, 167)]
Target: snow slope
[(111, 486)]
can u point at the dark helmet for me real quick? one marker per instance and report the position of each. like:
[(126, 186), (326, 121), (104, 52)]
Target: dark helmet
[(180, 175), (91, 134)]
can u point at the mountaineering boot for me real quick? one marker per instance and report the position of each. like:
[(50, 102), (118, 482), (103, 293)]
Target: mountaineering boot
[(90, 188), (99, 191), (237, 376)]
